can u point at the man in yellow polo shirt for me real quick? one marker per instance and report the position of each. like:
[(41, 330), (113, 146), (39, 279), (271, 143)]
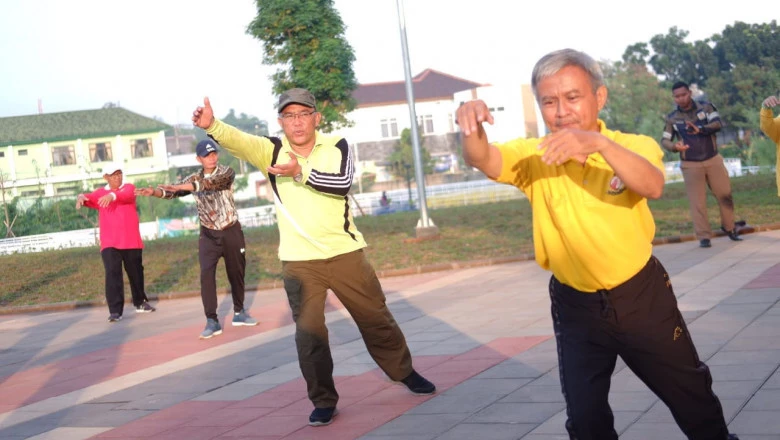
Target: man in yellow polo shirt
[(319, 244), (588, 187)]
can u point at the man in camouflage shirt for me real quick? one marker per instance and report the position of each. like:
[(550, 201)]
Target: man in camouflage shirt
[(694, 125), (221, 235)]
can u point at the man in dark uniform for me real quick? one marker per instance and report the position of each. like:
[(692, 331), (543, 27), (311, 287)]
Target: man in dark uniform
[(693, 125)]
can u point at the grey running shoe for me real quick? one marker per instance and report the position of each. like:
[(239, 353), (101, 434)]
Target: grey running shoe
[(114, 317), (212, 329), (243, 318)]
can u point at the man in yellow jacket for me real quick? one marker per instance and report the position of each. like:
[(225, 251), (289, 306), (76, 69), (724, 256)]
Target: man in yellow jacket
[(770, 125)]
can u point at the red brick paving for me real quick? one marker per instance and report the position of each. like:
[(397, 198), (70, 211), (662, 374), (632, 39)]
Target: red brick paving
[(368, 401)]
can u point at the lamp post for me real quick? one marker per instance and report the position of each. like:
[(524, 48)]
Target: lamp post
[(425, 227)]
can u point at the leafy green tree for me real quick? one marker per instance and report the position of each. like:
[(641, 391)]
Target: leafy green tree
[(402, 158), (636, 102), (674, 59), (305, 38), (742, 43)]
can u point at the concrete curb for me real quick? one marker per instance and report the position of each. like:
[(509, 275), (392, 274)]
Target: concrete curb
[(381, 274)]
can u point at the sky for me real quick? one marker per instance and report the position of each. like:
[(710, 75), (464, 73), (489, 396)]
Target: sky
[(159, 58)]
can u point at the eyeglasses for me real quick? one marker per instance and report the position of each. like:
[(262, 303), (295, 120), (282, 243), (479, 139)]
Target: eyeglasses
[(289, 117)]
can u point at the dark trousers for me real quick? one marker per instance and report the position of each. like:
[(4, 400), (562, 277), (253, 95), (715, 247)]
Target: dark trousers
[(353, 280), (640, 322), (113, 259), (213, 245)]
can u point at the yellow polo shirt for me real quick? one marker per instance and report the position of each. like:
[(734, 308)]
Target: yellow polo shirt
[(313, 216), (770, 125), (589, 229)]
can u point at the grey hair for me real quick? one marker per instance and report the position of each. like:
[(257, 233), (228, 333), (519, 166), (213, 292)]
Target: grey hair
[(553, 62)]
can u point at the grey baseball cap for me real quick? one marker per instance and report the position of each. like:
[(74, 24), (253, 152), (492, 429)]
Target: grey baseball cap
[(296, 96)]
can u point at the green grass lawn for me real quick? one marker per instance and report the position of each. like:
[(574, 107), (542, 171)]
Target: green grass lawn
[(475, 232)]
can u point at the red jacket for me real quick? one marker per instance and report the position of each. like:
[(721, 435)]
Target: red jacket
[(119, 220)]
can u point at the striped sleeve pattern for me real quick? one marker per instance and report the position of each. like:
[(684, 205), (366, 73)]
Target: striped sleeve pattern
[(335, 183)]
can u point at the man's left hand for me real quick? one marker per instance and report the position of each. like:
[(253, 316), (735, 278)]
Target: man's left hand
[(570, 144), (106, 200), (288, 169)]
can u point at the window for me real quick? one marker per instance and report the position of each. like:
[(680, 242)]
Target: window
[(141, 148), (63, 156), (425, 123), (67, 190), (32, 193), (389, 127), (100, 152), (2, 153), (22, 152)]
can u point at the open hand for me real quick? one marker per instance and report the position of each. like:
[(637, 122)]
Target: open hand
[(80, 200), (288, 169)]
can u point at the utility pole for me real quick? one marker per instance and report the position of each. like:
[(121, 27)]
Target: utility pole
[(425, 227)]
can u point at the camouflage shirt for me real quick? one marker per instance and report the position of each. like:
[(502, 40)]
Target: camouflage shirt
[(213, 196), (703, 145)]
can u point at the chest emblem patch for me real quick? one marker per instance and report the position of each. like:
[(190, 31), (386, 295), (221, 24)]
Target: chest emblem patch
[(616, 186)]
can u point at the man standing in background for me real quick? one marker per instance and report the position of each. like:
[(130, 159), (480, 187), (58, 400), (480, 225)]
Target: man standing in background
[(221, 235), (694, 125)]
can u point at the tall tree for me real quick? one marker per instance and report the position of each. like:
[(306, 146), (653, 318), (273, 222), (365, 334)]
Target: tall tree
[(8, 221), (636, 102), (674, 59), (402, 158), (305, 38)]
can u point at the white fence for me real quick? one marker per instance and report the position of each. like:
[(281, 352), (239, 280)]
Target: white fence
[(438, 196)]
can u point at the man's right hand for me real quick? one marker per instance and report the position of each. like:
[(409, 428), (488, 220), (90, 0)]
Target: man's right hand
[(144, 191), (471, 115), (203, 117), (772, 101), (80, 201), (679, 146)]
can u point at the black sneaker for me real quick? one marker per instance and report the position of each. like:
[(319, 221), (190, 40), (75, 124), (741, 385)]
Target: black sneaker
[(733, 235), (705, 243), (418, 384), (322, 416), (114, 317), (145, 307)]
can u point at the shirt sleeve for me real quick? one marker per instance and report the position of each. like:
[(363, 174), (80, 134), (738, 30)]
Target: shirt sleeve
[(770, 125), (216, 182), (338, 183), (515, 161), (256, 150)]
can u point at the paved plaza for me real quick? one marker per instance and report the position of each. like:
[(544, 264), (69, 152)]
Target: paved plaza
[(482, 334)]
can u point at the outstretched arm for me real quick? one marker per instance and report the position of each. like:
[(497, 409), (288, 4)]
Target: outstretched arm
[(769, 124), (477, 151)]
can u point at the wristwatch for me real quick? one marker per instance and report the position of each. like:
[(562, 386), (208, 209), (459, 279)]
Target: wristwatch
[(298, 177)]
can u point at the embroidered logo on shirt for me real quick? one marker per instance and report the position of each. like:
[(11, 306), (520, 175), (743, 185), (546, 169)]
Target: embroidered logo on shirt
[(616, 186), (677, 333), (242, 250)]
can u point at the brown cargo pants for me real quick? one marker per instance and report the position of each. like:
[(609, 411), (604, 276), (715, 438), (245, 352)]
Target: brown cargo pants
[(352, 278), (698, 177)]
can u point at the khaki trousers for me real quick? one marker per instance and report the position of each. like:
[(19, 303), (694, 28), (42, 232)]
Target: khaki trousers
[(698, 177), (353, 280)]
